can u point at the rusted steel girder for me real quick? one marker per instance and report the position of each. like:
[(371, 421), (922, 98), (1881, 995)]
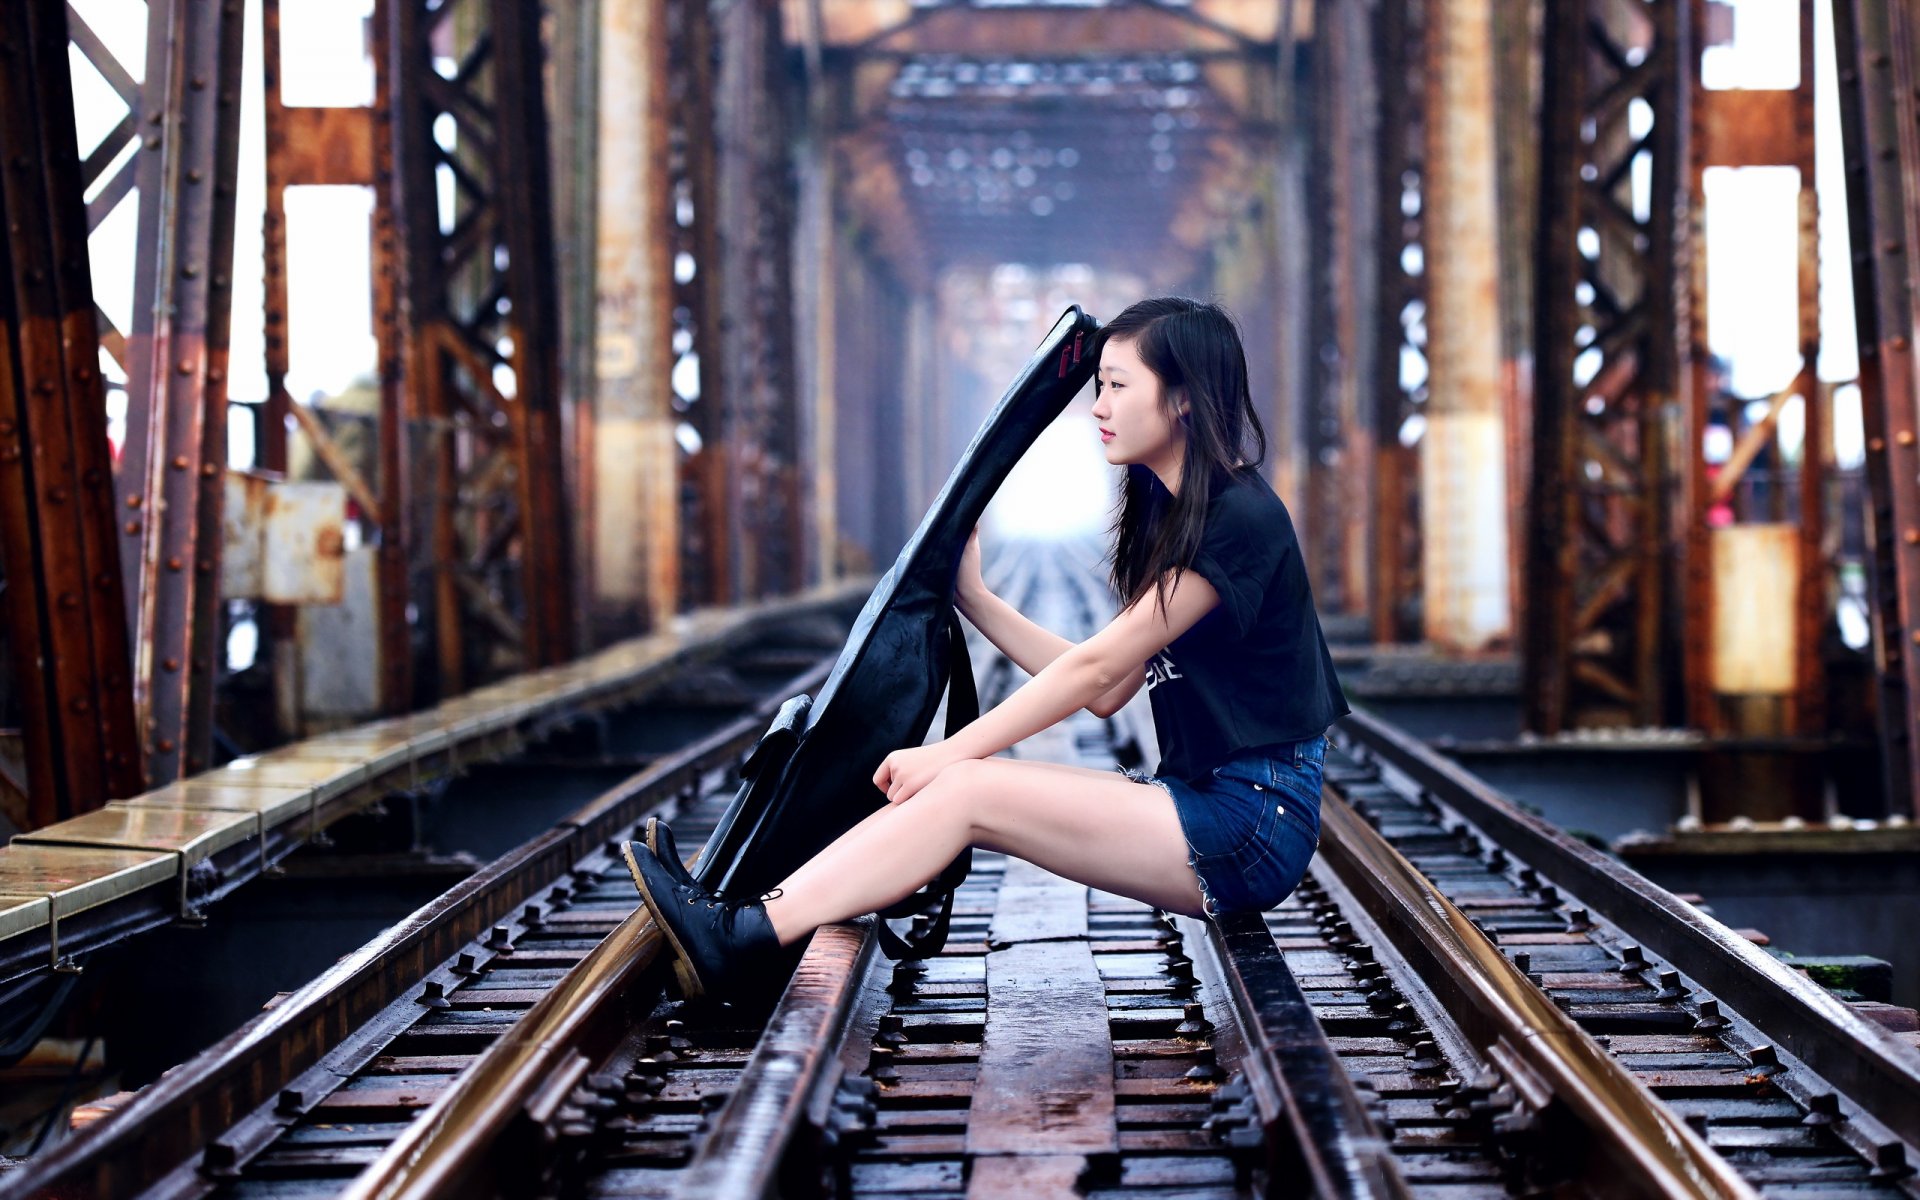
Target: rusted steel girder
[(1400, 334), (481, 329), (1877, 45), (759, 445), (707, 525), (1743, 128), (66, 624), (174, 461), (1345, 248), (1599, 531), (309, 146), (630, 462)]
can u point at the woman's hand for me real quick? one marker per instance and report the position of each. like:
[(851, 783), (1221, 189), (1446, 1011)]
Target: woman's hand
[(968, 582), (907, 770)]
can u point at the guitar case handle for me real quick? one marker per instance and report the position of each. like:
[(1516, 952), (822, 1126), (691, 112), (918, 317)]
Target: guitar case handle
[(963, 707)]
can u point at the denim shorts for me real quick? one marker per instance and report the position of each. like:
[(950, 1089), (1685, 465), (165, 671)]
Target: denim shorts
[(1252, 824)]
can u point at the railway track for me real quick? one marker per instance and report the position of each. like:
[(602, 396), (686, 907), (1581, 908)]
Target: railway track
[(1459, 1001)]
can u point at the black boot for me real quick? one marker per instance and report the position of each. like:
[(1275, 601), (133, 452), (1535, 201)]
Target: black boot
[(718, 945), (660, 841)]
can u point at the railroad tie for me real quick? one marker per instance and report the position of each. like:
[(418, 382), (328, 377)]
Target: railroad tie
[(1043, 1101)]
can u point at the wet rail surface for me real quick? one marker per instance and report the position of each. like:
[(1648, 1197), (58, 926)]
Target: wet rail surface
[(1456, 1003)]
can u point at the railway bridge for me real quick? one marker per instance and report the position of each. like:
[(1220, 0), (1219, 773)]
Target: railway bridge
[(439, 436)]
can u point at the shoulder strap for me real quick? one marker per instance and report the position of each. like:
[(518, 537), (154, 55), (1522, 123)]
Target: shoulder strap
[(963, 707)]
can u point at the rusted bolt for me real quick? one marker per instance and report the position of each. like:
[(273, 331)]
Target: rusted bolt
[(58, 495), (184, 367), (1876, 444), (179, 462), (69, 600), (209, 470), (1904, 437), (131, 527), (171, 664), (133, 502), (166, 745), (1912, 536), (174, 563)]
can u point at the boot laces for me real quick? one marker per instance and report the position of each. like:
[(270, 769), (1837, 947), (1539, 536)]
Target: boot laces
[(716, 900)]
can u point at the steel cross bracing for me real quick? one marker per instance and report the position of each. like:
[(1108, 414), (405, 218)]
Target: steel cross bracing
[(65, 618), (1606, 360), (1876, 43), (482, 330)]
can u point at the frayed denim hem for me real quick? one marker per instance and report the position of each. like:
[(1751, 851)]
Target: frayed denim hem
[(1193, 860)]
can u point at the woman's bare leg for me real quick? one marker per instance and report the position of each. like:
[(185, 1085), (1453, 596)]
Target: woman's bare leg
[(1100, 829)]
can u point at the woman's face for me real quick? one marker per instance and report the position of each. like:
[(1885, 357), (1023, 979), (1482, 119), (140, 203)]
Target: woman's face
[(1134, 424)]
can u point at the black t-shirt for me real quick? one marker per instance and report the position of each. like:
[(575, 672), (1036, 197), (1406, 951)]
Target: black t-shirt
[(1254, 671)]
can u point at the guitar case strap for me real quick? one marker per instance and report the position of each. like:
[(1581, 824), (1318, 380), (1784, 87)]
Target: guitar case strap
[(963, 707)]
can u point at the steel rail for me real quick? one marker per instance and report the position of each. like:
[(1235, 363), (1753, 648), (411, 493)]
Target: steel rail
[(1312, 1117), (793, 1072), (142, 1142), (530, 1069), (465, 1137), (1546, 1057), (1858, 1058)]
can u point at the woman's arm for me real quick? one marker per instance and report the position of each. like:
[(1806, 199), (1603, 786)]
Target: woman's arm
[(1032, 646), (1093, 668)]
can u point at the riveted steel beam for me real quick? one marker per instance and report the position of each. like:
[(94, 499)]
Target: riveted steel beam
[(755, 215), (1877, 43), (707, 521), (173, 463), (66, 627), (1400, 338)]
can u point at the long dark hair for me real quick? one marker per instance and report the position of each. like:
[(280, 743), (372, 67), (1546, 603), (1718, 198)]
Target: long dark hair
[(1193, 347)]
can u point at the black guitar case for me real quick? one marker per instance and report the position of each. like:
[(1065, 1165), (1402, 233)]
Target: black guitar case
[(810, 777)]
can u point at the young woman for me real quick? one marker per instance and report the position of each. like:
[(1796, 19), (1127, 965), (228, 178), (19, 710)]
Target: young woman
[(1216, 620)]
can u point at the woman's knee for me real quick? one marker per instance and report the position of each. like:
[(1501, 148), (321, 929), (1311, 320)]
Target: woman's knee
[(961, 793)]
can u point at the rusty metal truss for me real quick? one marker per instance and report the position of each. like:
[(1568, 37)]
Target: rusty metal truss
[(183, 122), (309, 146), (760, 445), (1876, 43), (1606, 361), (471, 172), (1345, 327), (1393, 593), (706, 531), (65, 621)]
